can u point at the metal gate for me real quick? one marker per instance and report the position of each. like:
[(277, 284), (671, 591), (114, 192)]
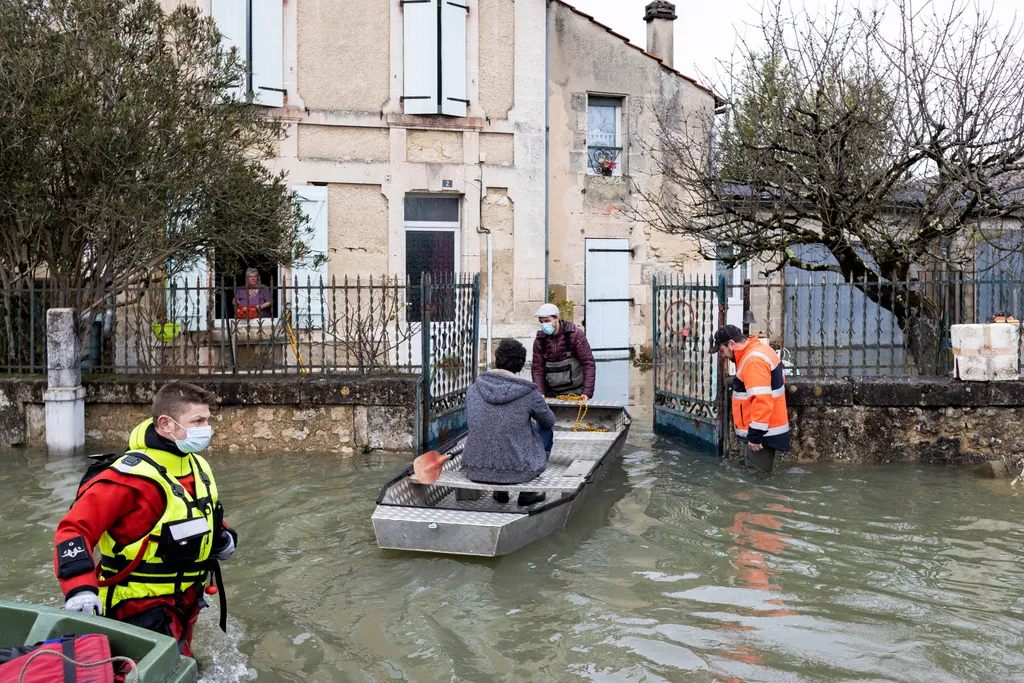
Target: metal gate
[(607, 312), (688, 392), (450, 334)]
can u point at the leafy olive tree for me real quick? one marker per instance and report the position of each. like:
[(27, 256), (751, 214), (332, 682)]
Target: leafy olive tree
[(123, 145)]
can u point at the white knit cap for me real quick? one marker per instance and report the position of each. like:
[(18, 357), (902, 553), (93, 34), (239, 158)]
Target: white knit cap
[(547, 311)]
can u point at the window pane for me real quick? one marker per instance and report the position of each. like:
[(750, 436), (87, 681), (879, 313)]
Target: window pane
[(602, 121), (429, 251), (422, 208)]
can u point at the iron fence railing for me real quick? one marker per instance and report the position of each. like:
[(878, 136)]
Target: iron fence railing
[(825, 324), (187, 327), (603, 160)]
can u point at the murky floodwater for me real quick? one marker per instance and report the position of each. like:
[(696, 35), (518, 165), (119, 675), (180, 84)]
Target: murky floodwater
[(679, 570)]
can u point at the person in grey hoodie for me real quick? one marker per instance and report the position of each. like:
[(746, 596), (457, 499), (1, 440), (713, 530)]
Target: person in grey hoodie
[(503, 446)]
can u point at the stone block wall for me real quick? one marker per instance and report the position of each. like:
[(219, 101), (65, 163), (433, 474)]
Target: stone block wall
[(332, 414), (904, 419)]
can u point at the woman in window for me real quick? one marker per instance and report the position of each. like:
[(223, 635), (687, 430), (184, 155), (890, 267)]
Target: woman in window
[(253, 300)]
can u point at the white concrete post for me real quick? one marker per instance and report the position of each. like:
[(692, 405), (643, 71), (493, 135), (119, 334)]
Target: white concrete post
[(65, 396)]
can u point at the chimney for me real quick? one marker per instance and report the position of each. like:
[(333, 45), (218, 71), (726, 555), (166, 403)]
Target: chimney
[(659, 17)]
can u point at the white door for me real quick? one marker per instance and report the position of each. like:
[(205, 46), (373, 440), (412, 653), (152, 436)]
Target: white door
[(607, 316), (431, 246)]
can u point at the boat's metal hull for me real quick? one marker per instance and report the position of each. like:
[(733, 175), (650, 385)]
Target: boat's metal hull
[(418, 525)]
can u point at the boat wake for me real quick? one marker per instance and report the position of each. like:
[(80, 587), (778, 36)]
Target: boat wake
[(220, 659)]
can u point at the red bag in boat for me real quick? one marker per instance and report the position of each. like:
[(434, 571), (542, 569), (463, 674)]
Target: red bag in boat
[(52, 669)]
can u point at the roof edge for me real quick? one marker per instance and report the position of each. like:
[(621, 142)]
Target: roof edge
[(719, 100)]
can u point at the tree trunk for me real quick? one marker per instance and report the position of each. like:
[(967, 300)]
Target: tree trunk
[(922, 333)]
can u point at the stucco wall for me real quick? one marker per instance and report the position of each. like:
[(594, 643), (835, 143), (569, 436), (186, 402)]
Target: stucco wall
[(343, 143), (171, 5), (586, 59), (434, 146), (357, 238), (499, 148), (349, 130), (497, 57), (343, 54), (499, 218)]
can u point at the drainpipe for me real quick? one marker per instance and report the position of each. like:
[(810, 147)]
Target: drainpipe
[(547, 144), (490, 263)]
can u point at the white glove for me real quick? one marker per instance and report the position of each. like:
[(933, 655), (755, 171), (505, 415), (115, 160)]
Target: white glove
[(228, 550), (86, 602)]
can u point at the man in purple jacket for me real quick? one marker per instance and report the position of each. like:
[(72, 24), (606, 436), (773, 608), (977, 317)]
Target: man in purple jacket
[(562, 360)]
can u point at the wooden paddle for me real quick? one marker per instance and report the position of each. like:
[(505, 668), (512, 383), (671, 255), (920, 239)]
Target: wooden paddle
[(427, 467)]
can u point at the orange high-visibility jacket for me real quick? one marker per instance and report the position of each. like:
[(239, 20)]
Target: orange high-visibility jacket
[(759, 396)]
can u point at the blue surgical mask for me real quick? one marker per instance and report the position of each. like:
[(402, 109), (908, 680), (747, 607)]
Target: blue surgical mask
[(196, 438), (547, 328)]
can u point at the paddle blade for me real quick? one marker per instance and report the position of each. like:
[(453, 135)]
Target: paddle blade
[(427, 467)]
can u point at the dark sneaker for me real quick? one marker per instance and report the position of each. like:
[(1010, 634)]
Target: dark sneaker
[(530, 497), (501, 497)]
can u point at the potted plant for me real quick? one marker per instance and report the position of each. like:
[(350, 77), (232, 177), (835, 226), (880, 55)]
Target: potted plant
[(164, 330), (451, 365), (605, 164)]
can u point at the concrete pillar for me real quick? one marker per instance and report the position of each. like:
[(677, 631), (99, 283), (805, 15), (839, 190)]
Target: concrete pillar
[(64, 396), (659, 16)]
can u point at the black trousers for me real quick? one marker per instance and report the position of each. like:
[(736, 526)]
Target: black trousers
[(759, 461)]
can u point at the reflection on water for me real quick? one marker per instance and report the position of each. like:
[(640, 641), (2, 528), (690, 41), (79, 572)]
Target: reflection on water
[(678, 569)]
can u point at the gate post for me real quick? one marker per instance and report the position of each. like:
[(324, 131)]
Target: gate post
[(65, 395), (720, 395), (476, 327), (654, 346), (425, 296)]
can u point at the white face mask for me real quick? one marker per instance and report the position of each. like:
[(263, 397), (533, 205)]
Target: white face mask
[(196, 438)]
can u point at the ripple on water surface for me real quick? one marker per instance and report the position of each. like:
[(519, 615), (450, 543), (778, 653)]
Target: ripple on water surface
[(678, 569)]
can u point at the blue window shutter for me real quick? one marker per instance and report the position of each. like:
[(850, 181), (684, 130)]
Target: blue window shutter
[(231, 20), (310, 303), (188, 295), (268, 52), (420, 86), (454, 97)]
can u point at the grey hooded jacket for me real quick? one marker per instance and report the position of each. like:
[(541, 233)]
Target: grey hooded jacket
[(502, 447)]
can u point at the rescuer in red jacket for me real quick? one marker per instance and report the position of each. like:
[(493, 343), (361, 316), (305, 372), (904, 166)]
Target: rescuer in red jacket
[(155, 515)]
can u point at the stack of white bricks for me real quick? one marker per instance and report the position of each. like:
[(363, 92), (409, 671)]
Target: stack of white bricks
[(986, 353)]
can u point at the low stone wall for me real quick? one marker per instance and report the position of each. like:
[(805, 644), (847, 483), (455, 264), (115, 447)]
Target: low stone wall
[(333, 414), (884, 420)]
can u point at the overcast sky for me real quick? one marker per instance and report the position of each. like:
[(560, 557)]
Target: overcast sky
[(706, 29)]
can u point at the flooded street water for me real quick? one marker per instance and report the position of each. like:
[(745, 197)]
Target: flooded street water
[(680, 569)]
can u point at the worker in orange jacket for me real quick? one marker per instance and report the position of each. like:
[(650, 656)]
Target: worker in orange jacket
[(758, 396)]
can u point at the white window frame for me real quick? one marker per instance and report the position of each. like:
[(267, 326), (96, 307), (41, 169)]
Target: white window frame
[(619, 141)]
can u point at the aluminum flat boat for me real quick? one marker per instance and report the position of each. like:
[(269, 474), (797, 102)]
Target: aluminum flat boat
[(460, 517)]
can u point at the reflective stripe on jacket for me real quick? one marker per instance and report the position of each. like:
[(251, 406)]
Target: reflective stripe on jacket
[(759, 396), (167, 567)]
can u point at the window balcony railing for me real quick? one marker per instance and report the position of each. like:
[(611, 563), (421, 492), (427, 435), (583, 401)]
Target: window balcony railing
[(604, 160)]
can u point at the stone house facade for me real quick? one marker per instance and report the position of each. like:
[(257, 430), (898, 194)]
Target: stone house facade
[(453, 135)]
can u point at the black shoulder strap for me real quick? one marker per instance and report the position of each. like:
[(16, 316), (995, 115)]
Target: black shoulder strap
[(566, 352), (177, 488)]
